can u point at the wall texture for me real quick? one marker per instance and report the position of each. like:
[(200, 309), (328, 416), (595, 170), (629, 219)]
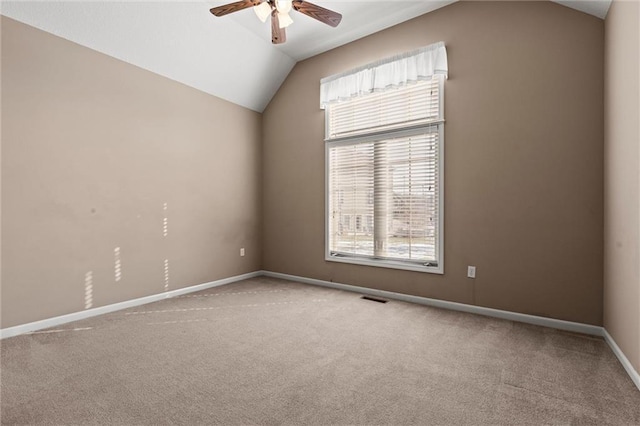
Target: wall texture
[(93, 148), (622, 178), (523, 162)]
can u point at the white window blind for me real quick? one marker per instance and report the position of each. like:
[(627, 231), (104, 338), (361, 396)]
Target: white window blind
[(392, 184), (384, 177), (411, 105)]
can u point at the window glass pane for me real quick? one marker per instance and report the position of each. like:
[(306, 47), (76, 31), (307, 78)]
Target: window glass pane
[(350, 193), (413, 222), (384, 176), (383, 198)]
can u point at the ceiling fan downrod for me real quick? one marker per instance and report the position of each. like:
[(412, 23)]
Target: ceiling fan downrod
[(279, 11)]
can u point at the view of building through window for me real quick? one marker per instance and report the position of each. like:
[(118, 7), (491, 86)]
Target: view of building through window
[(403, 194), (383, 183)]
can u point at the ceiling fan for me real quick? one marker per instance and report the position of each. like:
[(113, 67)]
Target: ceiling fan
[(279, 11)]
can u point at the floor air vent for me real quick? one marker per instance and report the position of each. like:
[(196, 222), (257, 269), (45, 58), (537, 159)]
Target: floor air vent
[(374, 299)]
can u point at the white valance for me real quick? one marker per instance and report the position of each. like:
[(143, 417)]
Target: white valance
[(387, 73)]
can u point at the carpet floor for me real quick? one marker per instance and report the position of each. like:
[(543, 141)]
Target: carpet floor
[(269, 351)]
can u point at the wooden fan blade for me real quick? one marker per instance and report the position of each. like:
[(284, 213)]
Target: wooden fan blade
[(326, 16), (234, 7), (278, 35)]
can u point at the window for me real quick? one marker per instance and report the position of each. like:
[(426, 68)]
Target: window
[(345, 223), (384, 164)]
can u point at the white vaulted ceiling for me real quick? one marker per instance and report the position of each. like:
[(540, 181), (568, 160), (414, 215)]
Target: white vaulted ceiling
[(230, 57), (178, 40)]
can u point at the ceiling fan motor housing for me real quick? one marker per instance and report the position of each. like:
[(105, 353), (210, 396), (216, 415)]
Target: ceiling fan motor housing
[(279, 11)]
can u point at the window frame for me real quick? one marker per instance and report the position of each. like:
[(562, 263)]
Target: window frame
[(378, 136)]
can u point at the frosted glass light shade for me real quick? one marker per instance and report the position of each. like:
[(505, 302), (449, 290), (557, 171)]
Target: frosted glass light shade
[(263, 10), (284, 20), (283, 6)]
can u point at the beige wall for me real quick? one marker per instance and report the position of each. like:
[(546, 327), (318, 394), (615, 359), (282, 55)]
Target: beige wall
[(92, 149), (523, 165), (622, 178)]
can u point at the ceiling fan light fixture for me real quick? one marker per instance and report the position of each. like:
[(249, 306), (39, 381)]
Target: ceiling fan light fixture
[(284, 20), (279, 12), (263, 10), (284, 6)]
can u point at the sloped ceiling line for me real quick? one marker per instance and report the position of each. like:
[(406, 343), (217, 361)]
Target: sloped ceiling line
[(227, 57)]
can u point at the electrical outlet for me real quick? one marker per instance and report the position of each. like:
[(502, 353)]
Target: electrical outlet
[(242, 251), (471, 271)]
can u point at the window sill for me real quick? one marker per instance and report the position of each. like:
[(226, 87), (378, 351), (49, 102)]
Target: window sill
[(387, 264)]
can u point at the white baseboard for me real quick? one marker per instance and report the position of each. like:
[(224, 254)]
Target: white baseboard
[(75, 316), (496, 313), (454, 306), (635, 377)]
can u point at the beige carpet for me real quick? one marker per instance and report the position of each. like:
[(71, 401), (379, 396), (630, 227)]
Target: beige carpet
[(267, 351)]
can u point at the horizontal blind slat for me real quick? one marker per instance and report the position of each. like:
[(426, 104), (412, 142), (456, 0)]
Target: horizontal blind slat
[(397, 177), (409, 105)]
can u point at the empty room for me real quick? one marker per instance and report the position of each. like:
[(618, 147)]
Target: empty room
[(329, 212)]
